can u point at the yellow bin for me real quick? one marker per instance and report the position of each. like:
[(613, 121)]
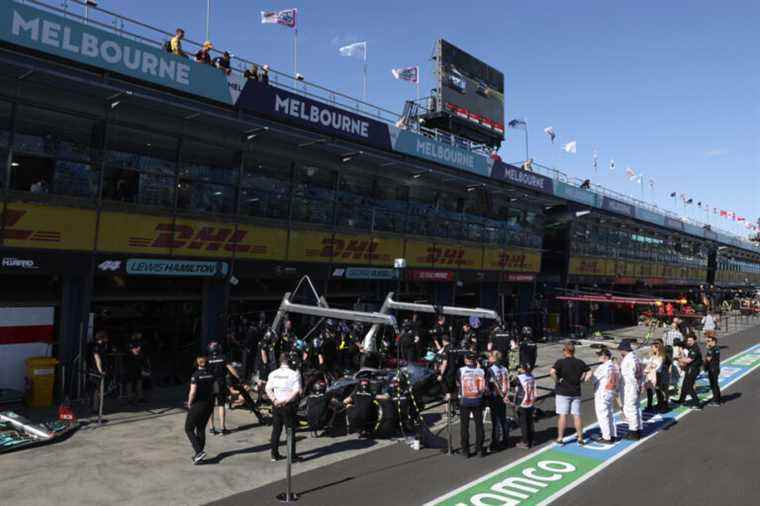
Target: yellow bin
[(553, 323), (40, 376)]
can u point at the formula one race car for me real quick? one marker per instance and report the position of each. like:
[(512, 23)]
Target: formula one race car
[(16, 432)]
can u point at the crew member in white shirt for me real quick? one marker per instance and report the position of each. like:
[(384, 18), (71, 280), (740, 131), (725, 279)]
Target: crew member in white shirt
[(606, 378), (632, 374), (283, 388)]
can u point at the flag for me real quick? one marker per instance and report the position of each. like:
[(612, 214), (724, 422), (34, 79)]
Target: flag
[(551, 133), (715, 210), (358, 49), (723, 213), (630, 173), (517, 123), (596, 161), (683, 197), (740, 218), (673, 195), (411, 74), (651, 183), (570, 147), (690, 201), (612, 165), (286, 17), (699, 205)]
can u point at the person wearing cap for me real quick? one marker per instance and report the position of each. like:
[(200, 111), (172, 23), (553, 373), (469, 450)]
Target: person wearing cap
[(525, 397), (632, 378), (606, 378), (203, 56), (472, 387), (224, 63), (568, 373)]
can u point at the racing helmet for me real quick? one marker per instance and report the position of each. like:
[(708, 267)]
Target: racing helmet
[(363, 385), (319, 387), (527, 331), (214, 347)]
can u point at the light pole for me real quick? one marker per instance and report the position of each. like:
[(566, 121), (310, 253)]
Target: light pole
[(399, 264)]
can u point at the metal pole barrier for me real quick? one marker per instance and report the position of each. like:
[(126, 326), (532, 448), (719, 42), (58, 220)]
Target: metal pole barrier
[(448, 425), (288, 496), (101, 392)]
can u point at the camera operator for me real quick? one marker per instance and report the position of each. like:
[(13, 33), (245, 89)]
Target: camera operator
[(283, 388)]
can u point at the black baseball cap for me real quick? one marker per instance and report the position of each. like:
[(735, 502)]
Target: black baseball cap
[(603, 351)]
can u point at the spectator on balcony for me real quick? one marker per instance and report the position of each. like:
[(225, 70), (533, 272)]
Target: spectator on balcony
[(224, 62), (252, 73), (176, 43), (203, 56), (264, 78)]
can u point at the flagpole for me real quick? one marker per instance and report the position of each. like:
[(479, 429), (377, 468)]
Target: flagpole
[(527, 156), (364, 80), (418, 85), (295, 52), (208, 16)]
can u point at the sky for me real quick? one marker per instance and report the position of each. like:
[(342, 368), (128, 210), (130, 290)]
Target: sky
[(670, 89)]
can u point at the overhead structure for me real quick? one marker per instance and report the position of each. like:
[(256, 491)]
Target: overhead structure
[(393, 305), (323, 310), (617, 299)]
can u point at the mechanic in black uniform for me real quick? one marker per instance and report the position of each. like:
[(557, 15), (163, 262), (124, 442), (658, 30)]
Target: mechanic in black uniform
[(200, 406), (361, 409), (712, 366), (448, 364), (319, 408), (100, 365), (692, 364), (439, 329), (499, 341), (407, 342), (528, 353), (469, 340), (218, 366), (328, 352)]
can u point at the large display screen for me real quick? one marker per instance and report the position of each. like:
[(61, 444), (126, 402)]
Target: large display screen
[(469, 88)]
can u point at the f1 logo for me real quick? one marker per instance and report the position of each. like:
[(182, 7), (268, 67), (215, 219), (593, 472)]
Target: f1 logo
[(110, 265)]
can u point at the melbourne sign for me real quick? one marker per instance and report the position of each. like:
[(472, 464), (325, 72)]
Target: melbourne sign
[(150, 267), (67, 38), (290, 107), (521, 177), (411, 143), (618, 207)]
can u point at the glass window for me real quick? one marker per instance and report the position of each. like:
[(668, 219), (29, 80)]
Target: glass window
[(141, 150), (255, 202), (5, 124), (205, 197), (209, 163), (53, 153)]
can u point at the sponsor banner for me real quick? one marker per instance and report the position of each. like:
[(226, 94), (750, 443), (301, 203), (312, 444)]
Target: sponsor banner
[(376, 273), (41, 262), (618, 207), (425, 254), (673, 223), (511, 277), (574, 193), (427, 275), (417, 254), (588, 266), (546, 474), (176, 268), (134, 233), (286, 106), (649, 216), (414, 144), (623, 280), (524, 178), (512, 260), (43, 31), (314, 246), (46, 227)]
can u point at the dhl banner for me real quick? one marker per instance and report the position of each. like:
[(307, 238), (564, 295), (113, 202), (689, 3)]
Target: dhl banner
[(313, 246), (512, 260), (120, 232), (582, 266), (45, 227), (36, 226)]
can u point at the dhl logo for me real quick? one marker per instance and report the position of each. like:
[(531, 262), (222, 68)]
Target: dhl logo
[(590, 267), (206, 239), (11, 232), (513, 261), (353, 249), (447, 256)]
